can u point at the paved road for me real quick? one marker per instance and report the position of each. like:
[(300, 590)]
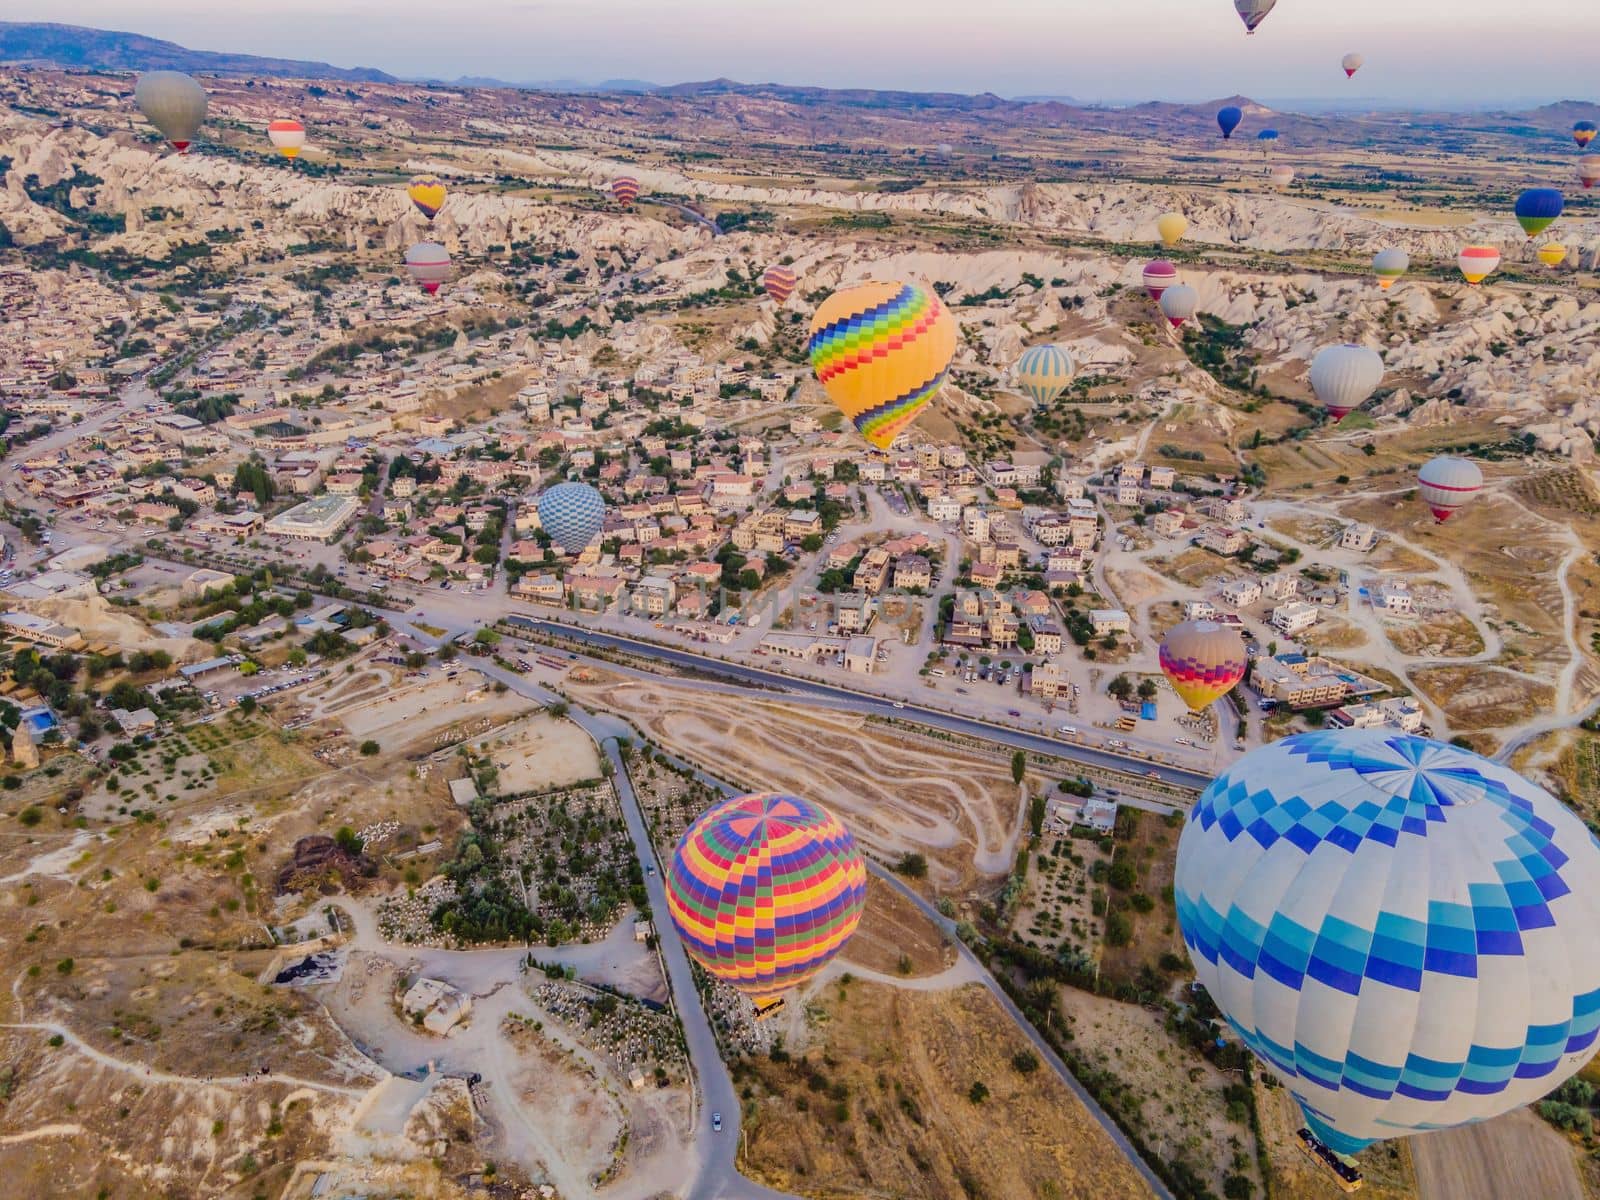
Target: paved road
[(859, 702)]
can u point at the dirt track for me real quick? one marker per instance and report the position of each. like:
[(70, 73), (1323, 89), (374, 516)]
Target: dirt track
[(1514, 1155)]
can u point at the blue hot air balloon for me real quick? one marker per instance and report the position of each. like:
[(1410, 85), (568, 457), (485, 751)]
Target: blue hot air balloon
[(572, 514), (1228, 119), (1537, 209), (1407, 933), (1267, 135)]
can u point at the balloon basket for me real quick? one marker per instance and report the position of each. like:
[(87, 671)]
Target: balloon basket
[(772, 1007), (1339, 1169)]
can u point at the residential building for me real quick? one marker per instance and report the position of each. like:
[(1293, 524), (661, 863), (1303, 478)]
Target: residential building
[(1241, 592), (860, 655), (975, 524), (1295, 616), (1109, 620), (1297, 681), (1198, 610), (912, 571), (1358, 537), (320, 519), (1281, 585), (1392, 596), (1220, 540), (654, 596), (854, 612)]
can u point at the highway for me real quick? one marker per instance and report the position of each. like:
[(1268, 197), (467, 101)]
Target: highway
[(859, 702)]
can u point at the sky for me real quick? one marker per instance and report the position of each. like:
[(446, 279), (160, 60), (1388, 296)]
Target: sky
[(1457, 53)]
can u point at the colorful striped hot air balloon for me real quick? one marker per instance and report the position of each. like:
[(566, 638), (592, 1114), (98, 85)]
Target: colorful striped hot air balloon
[(1179, 303), (1446, 483), (1172, 226), (1159, 275), (1228, 118), (1401, 930), (1343, 377), (1253, 12), (764, 890), (1281, 177), (1477, 263), (1552, 254), (1202, 660), (572, 514), (1583, 133), (779, 282), (1389, 265), (287, 136), (1537, 209), (1351, 64), (174, 103), (1589, 170), (429, 264), (1044, 372), (427, 193), (881, 351), (626, 189)]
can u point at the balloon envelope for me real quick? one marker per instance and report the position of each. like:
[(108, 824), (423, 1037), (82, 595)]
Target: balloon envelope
[(287, 136), (1389, 264), (1402, 930), (429, 264), (1446, 483), (1267, 135), (1351, 64), (1537, 209), (1552, 254), (881, 351), (427, 193), (1589, 170), (626, 189), (1172, 226), (172, 102), (1477, 263), (1202, 660), (1228, 119), (1158, 276), (1044, 372), (572, 514), (1253, 12), (1583, 133), (1343, 377), (1281, 177), (1178, 303), (779, 282), (764, 890)]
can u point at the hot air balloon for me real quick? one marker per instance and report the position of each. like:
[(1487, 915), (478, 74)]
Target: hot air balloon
[(1389, 264), (1446, 483), (764, 890), (1044, 372), (1178, 303), (1253, 12), (172, 102), (1537, 209), (1477, 263), (1583, 133), (1552, 254), (779, 282), (881, 350), (1402, 930), (1228, 119), (1351, 64), (1172, 226), (1343, 377), (1281, 177), (427, 193), (1589, 170), (1202, 660), (626, 189), (287, 136), (1265, 138), (1159, 275), (429, 264), (572, 514)]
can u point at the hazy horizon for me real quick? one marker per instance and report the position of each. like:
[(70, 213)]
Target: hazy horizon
[(1432, 56)]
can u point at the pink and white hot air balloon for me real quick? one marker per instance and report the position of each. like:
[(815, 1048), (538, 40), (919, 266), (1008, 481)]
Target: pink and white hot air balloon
[(1589, 170), (1446, 483), (1159, 275), (1351, 64), (1477, 263)]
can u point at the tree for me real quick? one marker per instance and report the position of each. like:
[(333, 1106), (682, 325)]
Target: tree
[(247, 705), (369, 748), (348, 841), (1121, 687), (912, 865), (1025, 1061), (1019, 765), (978, 1092), (1147, 689)]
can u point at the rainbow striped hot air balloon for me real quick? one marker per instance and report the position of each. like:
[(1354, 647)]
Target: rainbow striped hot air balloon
[(287, 137), (764, 890), (427, 193), (1044, 372), (1477, 263), (1537, 209), (1446, 483), (779, 282), (1583, 133), (1202, 660), (626, 189), (881, 351), (1159, 275)]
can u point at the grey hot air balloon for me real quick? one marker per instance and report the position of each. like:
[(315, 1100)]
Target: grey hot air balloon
[(1389, 264), (1253, 12), (1344, 376), (174, 103), (1179, 303)]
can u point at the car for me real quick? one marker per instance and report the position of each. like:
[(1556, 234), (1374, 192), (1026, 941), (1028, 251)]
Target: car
[(650, 869), (716, 1122), (1011, 712), (1067, 729), (961, 691), (899, 703)]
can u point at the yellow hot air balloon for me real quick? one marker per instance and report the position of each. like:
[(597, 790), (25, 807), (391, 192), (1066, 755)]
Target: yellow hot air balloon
[(1202, 660), (1172, 226), (881, 350), (1552, 254), (427, 193)]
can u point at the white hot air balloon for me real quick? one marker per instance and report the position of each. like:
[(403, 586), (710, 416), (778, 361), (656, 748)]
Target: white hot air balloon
[(1388, 265), (1179, 303), (174, 103), (1281, 176), (1351, 64), (1253, 12), (1446, 483), (1343, 377)]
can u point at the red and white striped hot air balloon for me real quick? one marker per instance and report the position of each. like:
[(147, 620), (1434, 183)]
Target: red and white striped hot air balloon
[(780, 283), (1477, 263), (1159, 275), (287, 136), (1589, 170), (429, 264), (1446, 483), (626, 189)]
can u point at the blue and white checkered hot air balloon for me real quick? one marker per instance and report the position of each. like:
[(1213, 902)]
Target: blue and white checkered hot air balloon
[(1044, 372), (572, 514), (1405, 932)]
